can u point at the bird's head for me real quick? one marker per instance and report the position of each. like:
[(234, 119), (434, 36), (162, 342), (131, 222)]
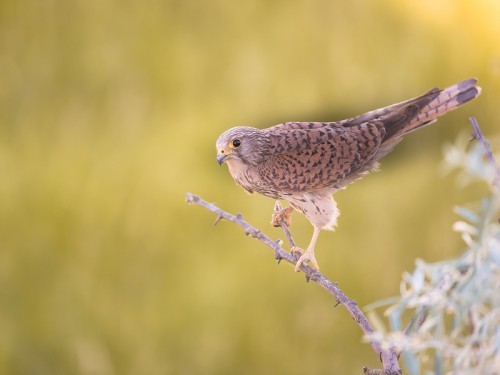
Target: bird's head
[(242, 143)]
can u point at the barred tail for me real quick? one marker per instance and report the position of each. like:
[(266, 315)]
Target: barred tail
[(446, 101), (425, 109)]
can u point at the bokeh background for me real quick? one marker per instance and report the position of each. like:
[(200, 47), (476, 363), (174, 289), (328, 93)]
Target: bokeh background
[(109, 111)]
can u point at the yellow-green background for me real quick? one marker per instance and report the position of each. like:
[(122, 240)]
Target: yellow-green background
[(109, 111)]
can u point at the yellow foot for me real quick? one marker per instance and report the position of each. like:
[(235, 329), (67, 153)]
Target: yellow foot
[(305, 257), (281, 214)]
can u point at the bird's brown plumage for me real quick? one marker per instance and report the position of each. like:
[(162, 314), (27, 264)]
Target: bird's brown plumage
[(306, 162)]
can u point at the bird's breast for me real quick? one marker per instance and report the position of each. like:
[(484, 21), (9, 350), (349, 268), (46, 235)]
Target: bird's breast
[(249, 179), (241, 174)]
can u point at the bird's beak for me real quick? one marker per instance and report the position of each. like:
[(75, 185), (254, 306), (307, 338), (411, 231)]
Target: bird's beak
[(221, 158), (222, 155)]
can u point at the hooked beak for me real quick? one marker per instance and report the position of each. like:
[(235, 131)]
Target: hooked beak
[(221, 158), (223, 154)]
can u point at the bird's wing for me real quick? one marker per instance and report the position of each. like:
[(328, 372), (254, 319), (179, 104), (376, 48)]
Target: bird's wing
[(314, 156), (310, 156)]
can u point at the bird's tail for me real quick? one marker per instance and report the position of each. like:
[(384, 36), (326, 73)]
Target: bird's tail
[(425, 109)]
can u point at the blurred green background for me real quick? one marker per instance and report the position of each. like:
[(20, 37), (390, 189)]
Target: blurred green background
[(109, 111)]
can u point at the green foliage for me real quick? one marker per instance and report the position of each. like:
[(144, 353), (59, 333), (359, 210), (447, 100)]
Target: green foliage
[(455, 304)]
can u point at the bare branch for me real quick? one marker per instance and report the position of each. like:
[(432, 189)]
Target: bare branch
[(478, 135), (389, 357)]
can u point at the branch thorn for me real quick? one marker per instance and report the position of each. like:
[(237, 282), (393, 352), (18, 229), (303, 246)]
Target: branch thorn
[(219, 218)]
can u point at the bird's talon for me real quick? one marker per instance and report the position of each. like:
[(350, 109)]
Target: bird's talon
[(305, 257), (297, 252), (281, 215)]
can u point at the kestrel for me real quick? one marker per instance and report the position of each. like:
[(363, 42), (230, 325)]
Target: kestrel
[(304, 163)]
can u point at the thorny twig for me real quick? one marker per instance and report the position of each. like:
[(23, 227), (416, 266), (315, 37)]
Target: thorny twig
[(478, 135), (388, 357)]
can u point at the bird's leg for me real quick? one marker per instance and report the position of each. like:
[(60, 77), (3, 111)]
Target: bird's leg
[(281, 214), (308, 254)]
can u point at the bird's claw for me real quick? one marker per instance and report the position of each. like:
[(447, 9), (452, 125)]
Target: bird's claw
[(281, 215), (305, 257)]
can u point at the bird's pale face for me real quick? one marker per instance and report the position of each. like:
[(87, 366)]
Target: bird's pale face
[(241, 143)]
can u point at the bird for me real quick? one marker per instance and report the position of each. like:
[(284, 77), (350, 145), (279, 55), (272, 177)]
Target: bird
[(305, 163)]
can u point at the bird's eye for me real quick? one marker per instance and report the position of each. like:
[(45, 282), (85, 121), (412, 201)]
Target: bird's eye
[(236, 143)]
